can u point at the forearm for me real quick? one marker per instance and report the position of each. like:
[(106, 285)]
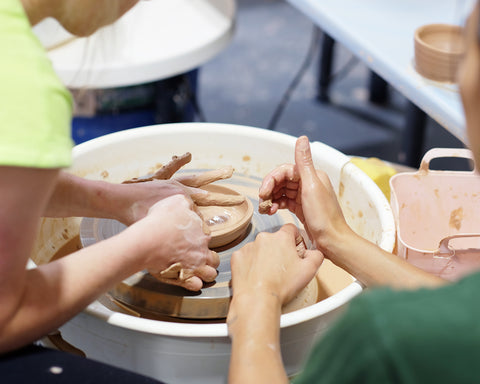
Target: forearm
[(254, 328), (55, 292), (373, 266), (79, 197)]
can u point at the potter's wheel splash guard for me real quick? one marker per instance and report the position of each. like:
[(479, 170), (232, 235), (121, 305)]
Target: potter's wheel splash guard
[(146, 295)]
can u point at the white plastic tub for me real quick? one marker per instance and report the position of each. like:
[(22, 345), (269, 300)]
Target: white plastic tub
[(200, 353)]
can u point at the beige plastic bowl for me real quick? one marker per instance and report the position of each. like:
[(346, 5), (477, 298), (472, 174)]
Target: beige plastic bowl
[(439, 49), (437, 217)]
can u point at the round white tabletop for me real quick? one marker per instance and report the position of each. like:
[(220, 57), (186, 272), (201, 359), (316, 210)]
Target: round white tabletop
[(155, 40)]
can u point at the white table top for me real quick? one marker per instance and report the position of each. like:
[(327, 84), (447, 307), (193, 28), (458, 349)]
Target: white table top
[(155, 40), (380, 33)]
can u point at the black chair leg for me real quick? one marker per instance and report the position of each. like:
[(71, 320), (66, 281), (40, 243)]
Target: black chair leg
[(378, 87), (413, 136), (325, 68)]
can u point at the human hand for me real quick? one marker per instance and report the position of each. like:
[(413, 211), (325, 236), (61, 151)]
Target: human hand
[(266, 274), (281, 188), (172, 234), (323, 219), (297, 186), (141, 193), (271, 266), (140, 197)]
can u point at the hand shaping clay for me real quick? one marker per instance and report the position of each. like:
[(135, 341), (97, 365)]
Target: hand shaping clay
[(225, 213)]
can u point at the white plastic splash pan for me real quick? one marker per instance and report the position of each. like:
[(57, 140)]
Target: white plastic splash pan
[(192, 352)]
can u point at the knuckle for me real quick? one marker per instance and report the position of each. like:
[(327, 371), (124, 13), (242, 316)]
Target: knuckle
[(262, 236)]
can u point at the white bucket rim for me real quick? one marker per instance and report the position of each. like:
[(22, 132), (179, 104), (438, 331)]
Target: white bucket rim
[(173, 329), (186, 329)]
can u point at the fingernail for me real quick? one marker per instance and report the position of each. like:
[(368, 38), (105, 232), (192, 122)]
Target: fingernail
[(303, 143)]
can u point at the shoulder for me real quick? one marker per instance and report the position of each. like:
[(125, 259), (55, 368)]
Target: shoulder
[(14, 21), (35, 125)]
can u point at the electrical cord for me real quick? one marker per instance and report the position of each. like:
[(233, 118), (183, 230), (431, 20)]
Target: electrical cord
[(314, 44), (342, 72), (312, 49)]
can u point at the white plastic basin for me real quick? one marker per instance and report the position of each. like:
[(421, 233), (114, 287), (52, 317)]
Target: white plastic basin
[(192, 352)]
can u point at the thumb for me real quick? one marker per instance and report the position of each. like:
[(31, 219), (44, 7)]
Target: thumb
[(303, 159), (314, 258)]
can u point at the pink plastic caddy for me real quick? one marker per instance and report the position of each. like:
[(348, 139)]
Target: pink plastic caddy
[(437, 214)]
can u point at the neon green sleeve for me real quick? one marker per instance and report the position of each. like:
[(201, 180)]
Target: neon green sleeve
[(35, 108)]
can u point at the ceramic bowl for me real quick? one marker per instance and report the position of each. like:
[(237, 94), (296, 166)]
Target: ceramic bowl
[(438, 51), (226, 222)]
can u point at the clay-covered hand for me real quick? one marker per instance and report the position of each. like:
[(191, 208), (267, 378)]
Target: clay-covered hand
[(140, 197), (271, 266), (297, 186), (172, 233)]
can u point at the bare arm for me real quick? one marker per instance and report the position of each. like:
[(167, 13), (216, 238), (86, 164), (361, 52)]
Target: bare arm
[(255, 334), (37, 301), (48, 296), (79, 197), (372, 265), (266, 274)]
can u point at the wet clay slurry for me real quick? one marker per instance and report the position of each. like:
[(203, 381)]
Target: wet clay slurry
[(69, 247), (456, 217)]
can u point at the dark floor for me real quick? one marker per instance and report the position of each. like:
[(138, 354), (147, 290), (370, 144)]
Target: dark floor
[(245, 82)]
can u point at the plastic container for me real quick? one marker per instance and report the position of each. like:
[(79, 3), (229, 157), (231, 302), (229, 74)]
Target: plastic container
[(190, 352), (439, 49), (437, 216)]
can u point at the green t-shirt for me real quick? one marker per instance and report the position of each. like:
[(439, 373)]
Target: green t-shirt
[(35, 108), (385, 336)]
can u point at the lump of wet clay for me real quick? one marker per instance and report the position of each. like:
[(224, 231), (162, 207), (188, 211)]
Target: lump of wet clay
[(166, 172), (264, 206)]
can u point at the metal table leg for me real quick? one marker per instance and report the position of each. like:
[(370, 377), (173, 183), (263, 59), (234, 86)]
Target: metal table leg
[(325, 68), (378, 89), (413, 136)]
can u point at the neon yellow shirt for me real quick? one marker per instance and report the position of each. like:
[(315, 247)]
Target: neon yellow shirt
[(35, 108)]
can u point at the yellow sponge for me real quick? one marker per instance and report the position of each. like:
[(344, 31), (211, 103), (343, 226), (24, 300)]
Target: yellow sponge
[(379, 171)]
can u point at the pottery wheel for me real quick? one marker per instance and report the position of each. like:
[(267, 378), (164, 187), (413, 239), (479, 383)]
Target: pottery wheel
[(143, 293)]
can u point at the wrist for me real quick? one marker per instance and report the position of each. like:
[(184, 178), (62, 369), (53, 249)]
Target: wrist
[(108, 200), (147, 247), (336, 242), (249, 309)]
